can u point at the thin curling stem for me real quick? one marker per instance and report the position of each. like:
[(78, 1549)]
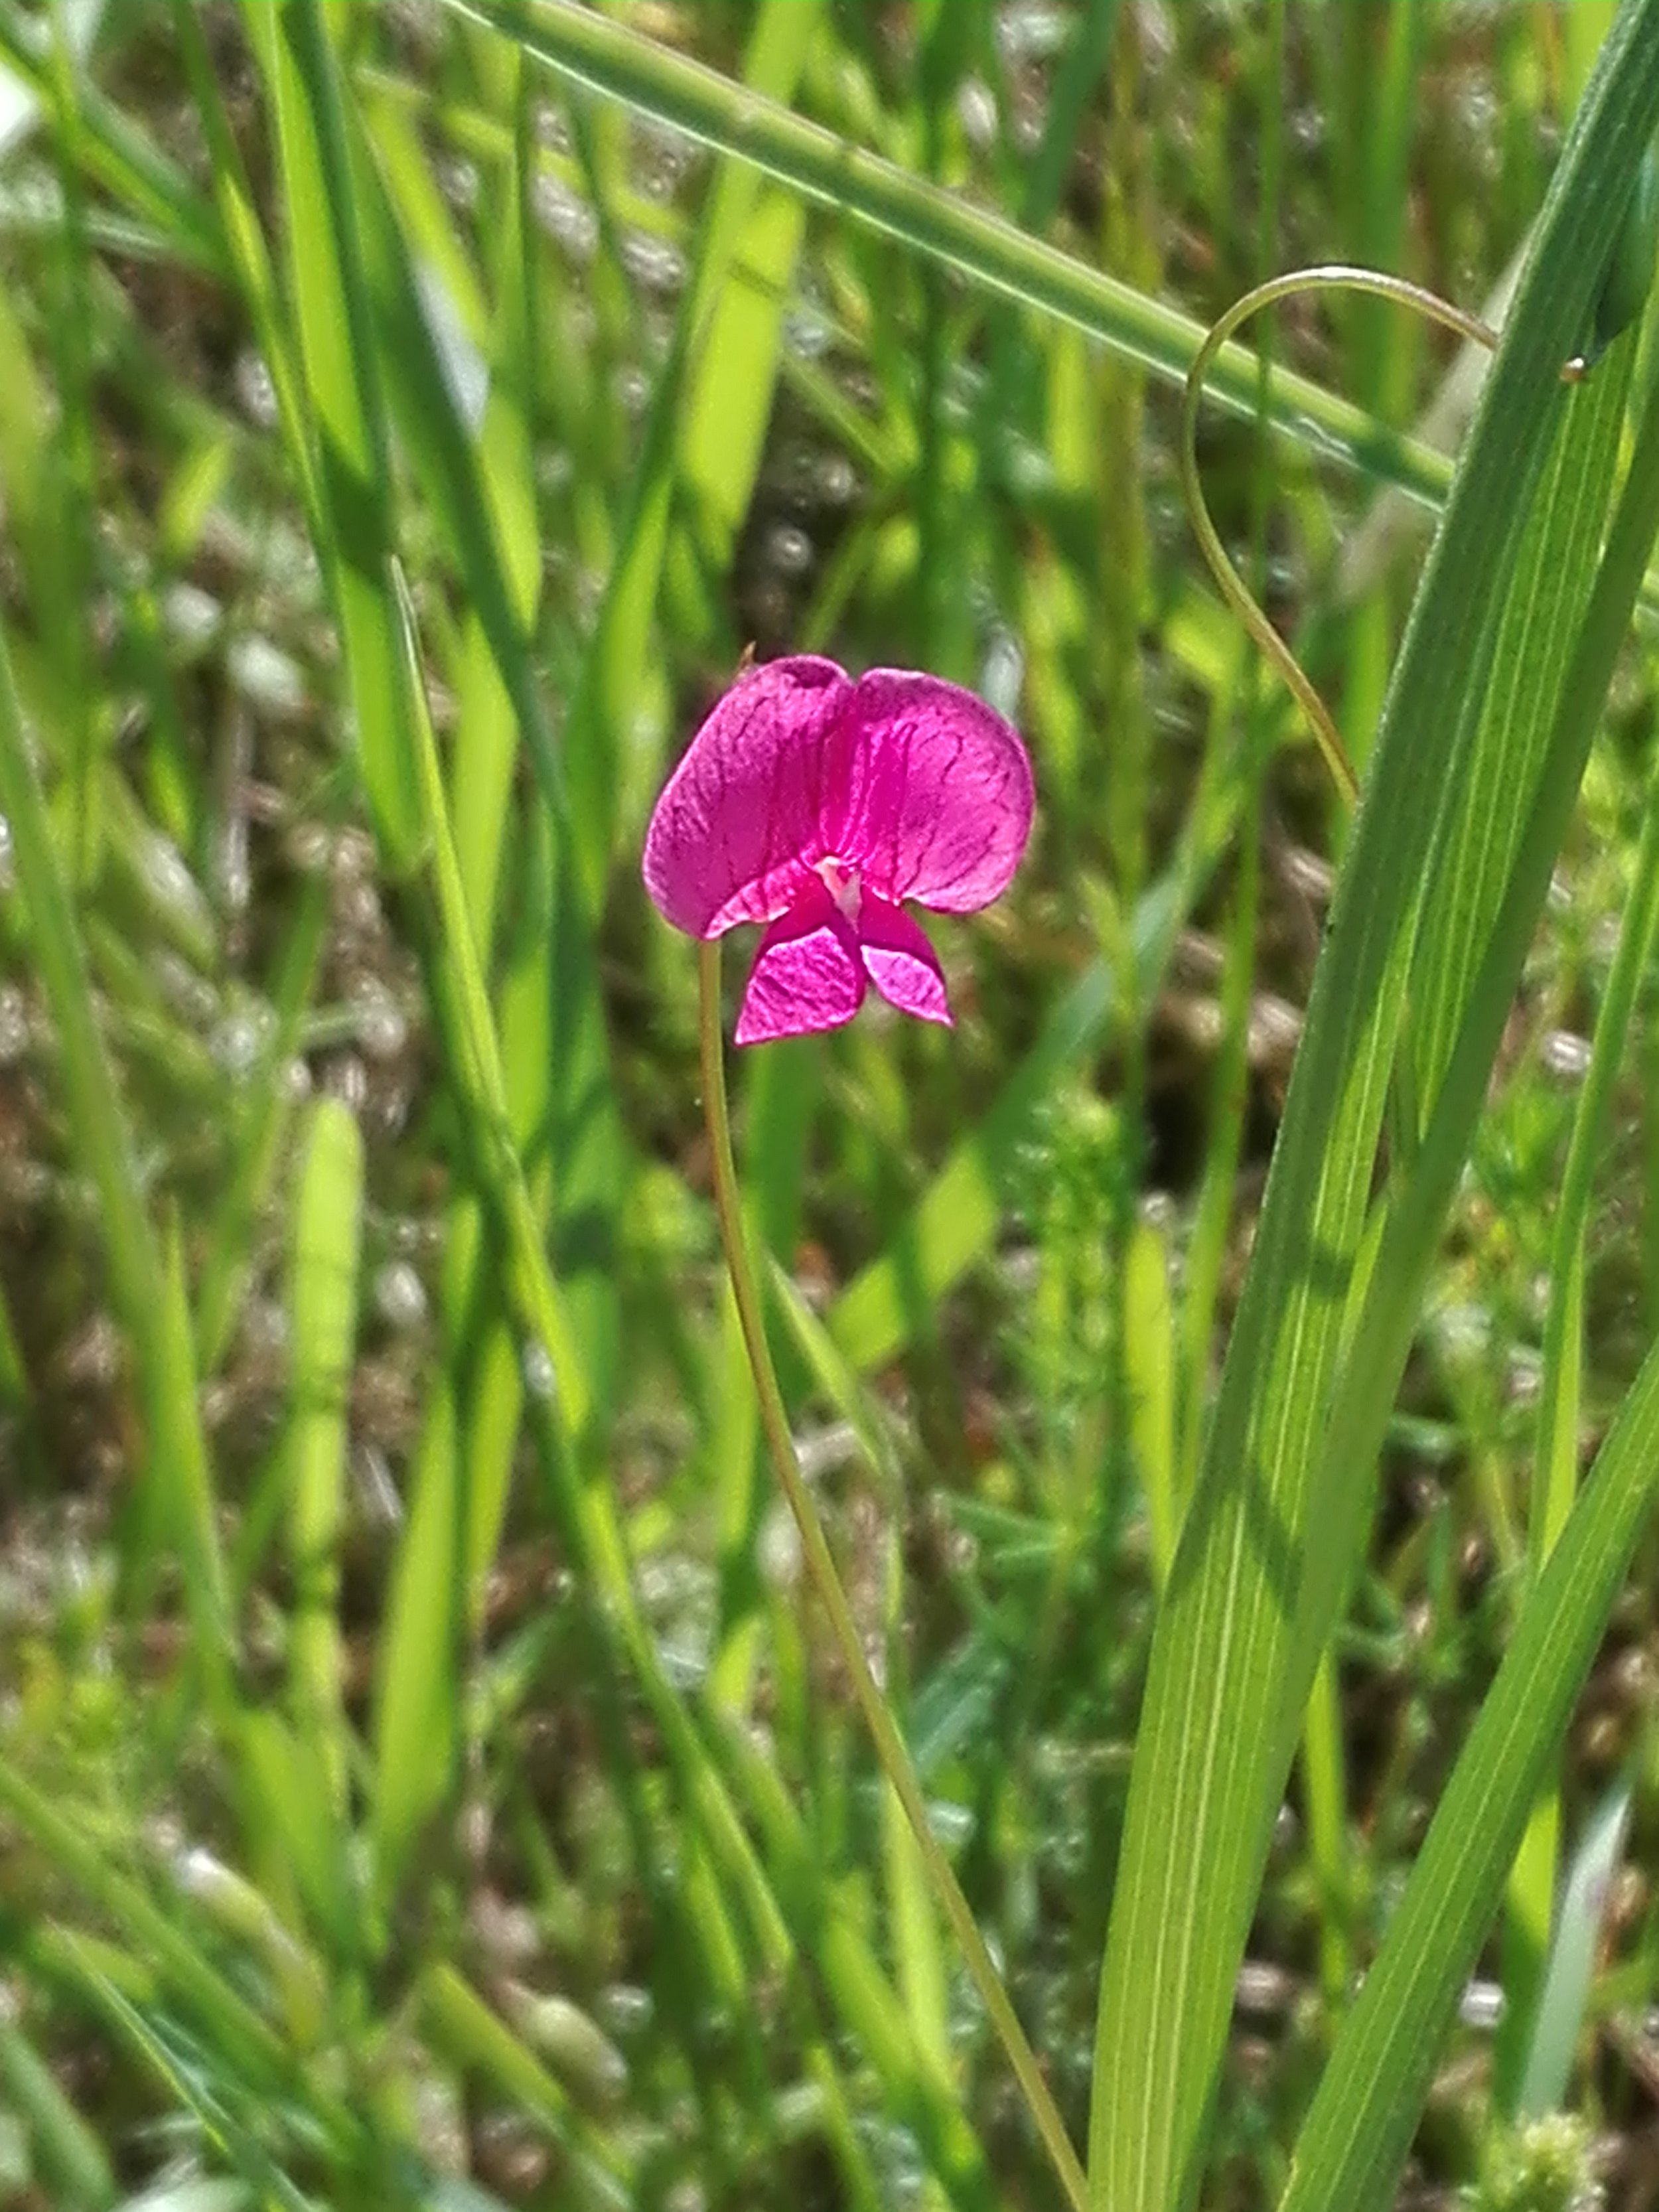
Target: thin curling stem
[(1336, 277), (890, 1749)]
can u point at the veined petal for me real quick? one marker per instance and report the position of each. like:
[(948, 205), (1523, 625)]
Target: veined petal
[(740, 824), (902, 963), (808, 975), (932, 795)]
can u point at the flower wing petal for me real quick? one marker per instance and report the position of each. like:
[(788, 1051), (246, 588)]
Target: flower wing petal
[(740, 820), (808, 975), (902, 963), (935, 790)]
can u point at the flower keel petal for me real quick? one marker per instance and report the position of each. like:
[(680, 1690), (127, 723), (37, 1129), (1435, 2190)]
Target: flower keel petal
[(902, 963), (740, 824), (808, 975)]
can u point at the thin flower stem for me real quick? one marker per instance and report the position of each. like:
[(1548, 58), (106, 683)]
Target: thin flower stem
[(889, 1747), (1335, 276)]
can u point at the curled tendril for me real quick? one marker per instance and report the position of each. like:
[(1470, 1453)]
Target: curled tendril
[(1328, 278)]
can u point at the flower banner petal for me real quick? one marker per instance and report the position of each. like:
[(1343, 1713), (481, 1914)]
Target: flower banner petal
[(902, 963), (935, 791), (741, 821), (808, 975)]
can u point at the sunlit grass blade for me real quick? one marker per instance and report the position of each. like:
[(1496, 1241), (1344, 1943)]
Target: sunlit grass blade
[(341, 370), (1404, 1234), (259, 1137), (1149, 1378), (327, 1234), (1496, 776), (418, 1687), (616, 59), (1229, 1646), (490, 530), (244, 246)]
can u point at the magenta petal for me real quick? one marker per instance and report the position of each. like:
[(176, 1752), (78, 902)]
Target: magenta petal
[(903, 965), (807, 973), (740, 822), (937, 789)]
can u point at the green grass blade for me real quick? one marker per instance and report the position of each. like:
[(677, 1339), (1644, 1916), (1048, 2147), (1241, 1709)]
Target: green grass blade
[(1565, 1991), (1357, 1415), (1555, 1458), (1482, 826), (245, 248), (1149, 1375), (695, 378), (327, 1236), (219, 2009), (148, 1292), (417, 1665), (260, 1141), (121, 157), (1357, 2134), (492, 541), (1229, 1644), (341, 363), (183, 1496), (613, 59), (67, 2150), (187, 2083)]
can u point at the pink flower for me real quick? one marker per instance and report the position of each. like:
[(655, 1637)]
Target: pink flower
[(818, 806)]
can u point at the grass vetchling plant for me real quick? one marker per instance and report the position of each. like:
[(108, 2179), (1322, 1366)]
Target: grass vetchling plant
[(1204, 1358)]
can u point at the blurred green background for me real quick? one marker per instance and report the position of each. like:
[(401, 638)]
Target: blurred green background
[(426, 1779)]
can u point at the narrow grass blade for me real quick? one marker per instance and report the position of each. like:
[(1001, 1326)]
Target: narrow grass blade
[(184, 1495), (1565, 1991), (418, 1665), (189, 2085), (465, 2027), (1555, 1460), (301, 1848), (921, 2094), (327, 1235), (491, 536), (1149, 1375), (121, 157), (1357, 2134), (66, 2149), (1233, 1640), (219, 2009), (341, 365), (245, 248), (259, 1142), (618, 657), (148, 1296)]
